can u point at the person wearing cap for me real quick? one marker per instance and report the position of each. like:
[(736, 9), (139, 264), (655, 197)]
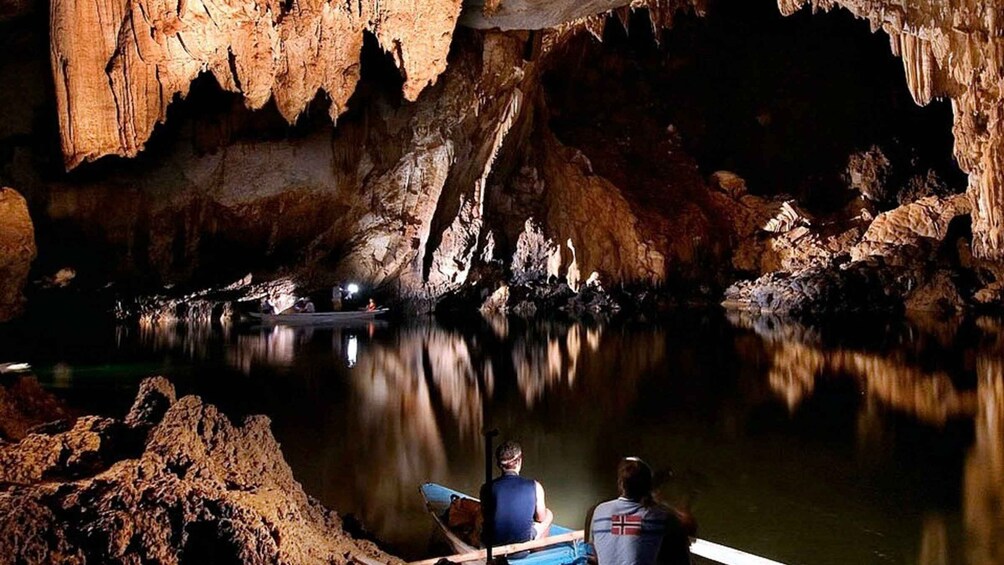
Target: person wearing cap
[(633, 529), (514, 506)]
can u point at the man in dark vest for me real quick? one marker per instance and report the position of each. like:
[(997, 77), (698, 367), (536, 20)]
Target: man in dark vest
[(514, 506)]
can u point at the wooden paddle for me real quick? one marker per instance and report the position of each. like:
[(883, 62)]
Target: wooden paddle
[(505, 549)]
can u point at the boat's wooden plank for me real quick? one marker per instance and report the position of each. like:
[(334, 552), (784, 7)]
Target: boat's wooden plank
[(507, 549)]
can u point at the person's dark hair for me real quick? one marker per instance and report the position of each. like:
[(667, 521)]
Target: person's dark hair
[(634, 478), (508, 455)]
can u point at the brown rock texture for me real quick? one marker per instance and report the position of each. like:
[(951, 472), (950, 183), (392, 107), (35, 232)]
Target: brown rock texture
[(17, 251), (176, 482), (118, 64), (922, 222), (24, 404), (952, 49)]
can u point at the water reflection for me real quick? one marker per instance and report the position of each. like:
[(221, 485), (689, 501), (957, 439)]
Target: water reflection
[(908, 379), (846, 442)]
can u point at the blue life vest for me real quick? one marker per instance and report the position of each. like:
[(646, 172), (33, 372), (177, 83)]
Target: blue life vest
[(515, 506)]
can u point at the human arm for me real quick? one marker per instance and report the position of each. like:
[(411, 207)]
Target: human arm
[(543, 514)]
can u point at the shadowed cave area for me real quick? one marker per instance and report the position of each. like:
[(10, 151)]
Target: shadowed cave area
[(782, 101)]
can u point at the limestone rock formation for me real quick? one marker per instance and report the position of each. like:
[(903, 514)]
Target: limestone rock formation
[(952, 49), (921, 223), (118, 64), (17, 251), (175, 482)]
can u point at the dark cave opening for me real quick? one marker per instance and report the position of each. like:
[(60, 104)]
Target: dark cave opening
[(781, 101)]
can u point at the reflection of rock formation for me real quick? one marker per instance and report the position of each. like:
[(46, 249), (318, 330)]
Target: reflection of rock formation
[(545, 364), (275, 346), (984, 475), (416, 394), (929, 395)]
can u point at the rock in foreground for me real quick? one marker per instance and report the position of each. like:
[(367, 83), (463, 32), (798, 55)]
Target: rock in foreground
[(175, 482)]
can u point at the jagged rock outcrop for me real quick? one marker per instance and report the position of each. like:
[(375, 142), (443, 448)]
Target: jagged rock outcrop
[(17, 251), (118, 64), (918, 226), (952, 49), (175, 482)]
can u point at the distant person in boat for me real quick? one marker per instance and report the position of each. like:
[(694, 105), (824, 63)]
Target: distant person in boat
[(336, 298), (371, 306), (634, 529), (303, 306), (266, 307), (514, 506)]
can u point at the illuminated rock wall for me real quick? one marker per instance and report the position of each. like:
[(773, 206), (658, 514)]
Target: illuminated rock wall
[(17, 250), (952, 49), (118, 64)]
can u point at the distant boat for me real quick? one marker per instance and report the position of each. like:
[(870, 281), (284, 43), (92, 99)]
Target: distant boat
[(14, 367), (319, 318), (569, 552)]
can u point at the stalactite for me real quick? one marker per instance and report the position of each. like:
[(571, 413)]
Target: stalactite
[(118, 64), (953, 49)]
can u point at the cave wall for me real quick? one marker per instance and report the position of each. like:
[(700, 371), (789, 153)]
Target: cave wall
[(951, 49), (415, 187)]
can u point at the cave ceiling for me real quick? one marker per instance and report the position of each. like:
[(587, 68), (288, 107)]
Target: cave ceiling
[(118, 64)]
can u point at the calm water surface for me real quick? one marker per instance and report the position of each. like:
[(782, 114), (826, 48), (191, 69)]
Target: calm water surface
[(861, 441)]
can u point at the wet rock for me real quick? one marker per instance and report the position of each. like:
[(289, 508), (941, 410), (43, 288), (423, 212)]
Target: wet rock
[(936, 293), (861, 286), (195, 489), (17, 251), (24, 404)]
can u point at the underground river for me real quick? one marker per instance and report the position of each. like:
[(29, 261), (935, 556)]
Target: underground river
[(862, 440)]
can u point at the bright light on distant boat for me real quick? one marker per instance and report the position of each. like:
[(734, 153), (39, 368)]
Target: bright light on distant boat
[(352, 288)]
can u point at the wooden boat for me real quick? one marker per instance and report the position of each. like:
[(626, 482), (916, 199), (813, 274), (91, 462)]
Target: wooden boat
[(437, 501), (320, 318)]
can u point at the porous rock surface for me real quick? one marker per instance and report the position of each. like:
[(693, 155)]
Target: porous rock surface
[(17, 251), (174, 482)]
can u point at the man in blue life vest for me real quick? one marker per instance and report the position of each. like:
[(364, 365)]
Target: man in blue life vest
[(633, 529), (514, 506)]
